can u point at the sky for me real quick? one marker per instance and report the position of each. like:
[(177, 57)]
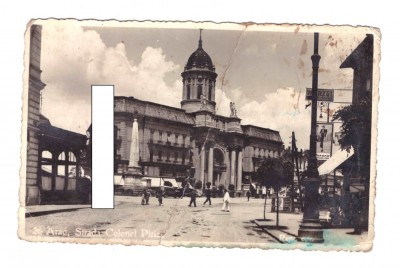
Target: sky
[(264, 70)]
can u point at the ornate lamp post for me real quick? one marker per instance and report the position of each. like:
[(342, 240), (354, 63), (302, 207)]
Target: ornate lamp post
[(310, 228)]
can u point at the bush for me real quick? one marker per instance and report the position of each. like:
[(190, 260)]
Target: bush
[(231, 187), (198, 185), (231, 190), (221, 188)]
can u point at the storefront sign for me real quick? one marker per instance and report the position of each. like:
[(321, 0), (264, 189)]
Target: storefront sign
[(322, 94)]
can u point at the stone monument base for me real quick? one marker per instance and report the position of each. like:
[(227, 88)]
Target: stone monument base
[(311, 232), (133, 176)]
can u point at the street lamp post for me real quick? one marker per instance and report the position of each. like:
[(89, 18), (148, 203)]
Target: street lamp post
[(310, 228)]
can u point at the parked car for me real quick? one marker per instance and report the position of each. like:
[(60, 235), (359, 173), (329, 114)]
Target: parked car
[(325, 217), (172, 192), (332, 217), (133, 190)]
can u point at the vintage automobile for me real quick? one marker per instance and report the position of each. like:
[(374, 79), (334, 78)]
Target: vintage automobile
[(331, 217), (325, 217), (132, 190), (170, 191)]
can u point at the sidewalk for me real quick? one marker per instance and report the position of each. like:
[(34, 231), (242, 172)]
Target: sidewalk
[(39, 210), (290, 223)]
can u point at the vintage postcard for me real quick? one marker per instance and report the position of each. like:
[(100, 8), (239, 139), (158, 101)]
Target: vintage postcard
[(224, 135)]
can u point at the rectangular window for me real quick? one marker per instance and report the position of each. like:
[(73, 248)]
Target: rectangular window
[(184, 140), (169, 138), (199, 91), (151, 136), (188, 92)]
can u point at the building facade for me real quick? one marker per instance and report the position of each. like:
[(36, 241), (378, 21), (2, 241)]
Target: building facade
[(52, 156), (34, 88), (173, 142)]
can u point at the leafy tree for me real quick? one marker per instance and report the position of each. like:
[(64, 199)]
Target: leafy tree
[(275, 173), (356, 132)]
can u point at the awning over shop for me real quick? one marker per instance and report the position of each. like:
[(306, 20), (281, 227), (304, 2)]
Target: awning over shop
[(171, 181), (118, 180), (337, 159)]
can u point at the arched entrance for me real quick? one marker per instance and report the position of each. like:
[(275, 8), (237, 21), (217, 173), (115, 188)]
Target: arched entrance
[(218, 166)]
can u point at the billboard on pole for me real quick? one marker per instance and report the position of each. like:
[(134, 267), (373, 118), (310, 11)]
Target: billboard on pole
[(324, 141)]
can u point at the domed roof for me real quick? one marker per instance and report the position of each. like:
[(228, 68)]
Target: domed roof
[(199, 59)]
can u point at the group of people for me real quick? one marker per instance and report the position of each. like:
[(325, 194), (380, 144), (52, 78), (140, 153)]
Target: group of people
[(146, 196), (193, 195), (225, 203)]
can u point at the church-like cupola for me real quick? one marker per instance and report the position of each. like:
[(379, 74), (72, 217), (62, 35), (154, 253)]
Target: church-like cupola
[(199, 78)]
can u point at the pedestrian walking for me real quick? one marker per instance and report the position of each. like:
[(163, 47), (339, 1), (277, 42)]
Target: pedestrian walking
[(193, 196), (248, 194), (226, 199), (145, 197), (160, 194), (185, 188), (208, 196)]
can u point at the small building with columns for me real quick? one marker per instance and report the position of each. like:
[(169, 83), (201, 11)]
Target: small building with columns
[(173, 141)]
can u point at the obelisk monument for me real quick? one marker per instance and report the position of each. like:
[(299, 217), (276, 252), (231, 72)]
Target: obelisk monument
[(134, 173)]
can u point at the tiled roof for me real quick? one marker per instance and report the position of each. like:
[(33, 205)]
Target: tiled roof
[(263, 133), (154, 110)]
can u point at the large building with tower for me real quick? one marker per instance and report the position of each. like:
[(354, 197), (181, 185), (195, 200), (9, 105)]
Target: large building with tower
[(172, 141)]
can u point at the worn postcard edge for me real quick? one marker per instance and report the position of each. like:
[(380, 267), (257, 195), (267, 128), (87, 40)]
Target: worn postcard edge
[(286, 27)]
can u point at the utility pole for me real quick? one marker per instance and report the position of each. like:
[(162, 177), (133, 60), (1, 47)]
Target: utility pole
[(295, 157), (310, 228)]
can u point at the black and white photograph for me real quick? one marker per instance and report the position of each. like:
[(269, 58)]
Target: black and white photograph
[(324, 141), (223, 135)]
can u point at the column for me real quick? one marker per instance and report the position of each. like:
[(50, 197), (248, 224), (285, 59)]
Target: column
[(226, 175), (210, 164), (233, 166), (196, 162), (239, 170), (202, 163)]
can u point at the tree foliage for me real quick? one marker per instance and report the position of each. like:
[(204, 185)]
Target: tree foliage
[(356, 124), (356, 131), (275, 172)]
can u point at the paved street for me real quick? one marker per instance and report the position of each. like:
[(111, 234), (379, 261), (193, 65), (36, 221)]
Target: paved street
[(176, 223)]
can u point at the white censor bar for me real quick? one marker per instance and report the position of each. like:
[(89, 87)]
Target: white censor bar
[(102, 146)]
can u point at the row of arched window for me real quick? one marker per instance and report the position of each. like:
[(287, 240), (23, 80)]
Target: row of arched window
[(264, 153), (55, 171), (197, 95), (159, 136), (168, 156)]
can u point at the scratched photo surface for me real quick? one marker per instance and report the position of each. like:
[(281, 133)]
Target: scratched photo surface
[(225, 135)]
